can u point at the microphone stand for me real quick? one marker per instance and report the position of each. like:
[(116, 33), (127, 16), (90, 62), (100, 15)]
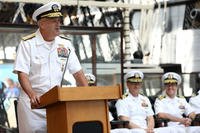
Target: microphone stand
[(65, 68)]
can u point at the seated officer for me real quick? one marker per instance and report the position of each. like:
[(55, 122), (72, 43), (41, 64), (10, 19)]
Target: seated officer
[(135, 107), (195, 103), (171, 107), (91, 82)]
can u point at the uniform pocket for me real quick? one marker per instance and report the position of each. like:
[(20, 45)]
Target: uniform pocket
[(61, 62), (39, 67)]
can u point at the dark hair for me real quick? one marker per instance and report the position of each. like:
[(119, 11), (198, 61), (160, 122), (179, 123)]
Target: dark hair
[(138, 54)]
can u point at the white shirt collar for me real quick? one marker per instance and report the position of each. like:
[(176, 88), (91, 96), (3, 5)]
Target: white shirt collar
[(169, 98), (132, 97), (40, 40)]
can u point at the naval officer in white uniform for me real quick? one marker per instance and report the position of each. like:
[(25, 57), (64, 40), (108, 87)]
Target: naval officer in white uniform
[(40, 63), (172, 107), (136, 108)]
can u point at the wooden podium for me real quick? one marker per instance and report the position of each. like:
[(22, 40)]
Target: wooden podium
[(79, 109)]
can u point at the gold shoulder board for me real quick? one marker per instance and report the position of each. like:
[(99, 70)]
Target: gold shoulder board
[(64, 37), (161, 97), (181, 96), (193, 95), (28, 37), (141, 94), (124, 95)]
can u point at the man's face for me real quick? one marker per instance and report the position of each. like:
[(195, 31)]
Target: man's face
[(50, 25), (134, 87), (171, 89)]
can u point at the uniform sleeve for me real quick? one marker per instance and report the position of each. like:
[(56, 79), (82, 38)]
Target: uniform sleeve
[(22, 61), (158, 106), (188, 108), (122, 108), (193, 102), (149, 109), (73, 62)]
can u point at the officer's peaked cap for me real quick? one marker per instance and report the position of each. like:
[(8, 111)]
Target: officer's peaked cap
[(49, 10), (134, 76), (171, 77), (90, 78)]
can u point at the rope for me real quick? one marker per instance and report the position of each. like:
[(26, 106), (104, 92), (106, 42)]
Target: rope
[(20, 10), (146, 24)]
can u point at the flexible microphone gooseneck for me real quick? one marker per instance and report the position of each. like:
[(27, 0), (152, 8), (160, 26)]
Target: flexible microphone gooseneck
[(69, 51)]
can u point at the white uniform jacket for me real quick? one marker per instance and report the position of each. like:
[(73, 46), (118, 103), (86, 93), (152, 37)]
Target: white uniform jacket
[(176, 106), (44, 64), (195, 103), (136, 108)]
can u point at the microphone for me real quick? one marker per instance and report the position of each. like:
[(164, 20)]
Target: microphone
[(65, 66)]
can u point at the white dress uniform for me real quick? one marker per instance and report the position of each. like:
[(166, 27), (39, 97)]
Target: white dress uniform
[(195, 103), (44, 64), (177, 107), (137, 109)]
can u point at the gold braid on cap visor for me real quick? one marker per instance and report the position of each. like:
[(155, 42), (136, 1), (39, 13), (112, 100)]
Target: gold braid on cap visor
[(133, 79), (52, 14), (166, 81)]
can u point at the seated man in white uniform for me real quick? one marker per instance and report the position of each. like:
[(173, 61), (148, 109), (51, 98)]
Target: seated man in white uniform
[(171, 107), (137, 108), (195, 103), (91, 82)]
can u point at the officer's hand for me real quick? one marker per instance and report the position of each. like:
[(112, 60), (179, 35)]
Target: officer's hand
[(188, 122), (34, 100)]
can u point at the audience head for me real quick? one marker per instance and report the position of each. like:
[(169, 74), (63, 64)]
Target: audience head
[(91, 79), (171, 81), (134, 81)]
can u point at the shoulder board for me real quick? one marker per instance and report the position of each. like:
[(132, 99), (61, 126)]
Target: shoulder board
[(28, 37), (64, 37), (161, 97), (181, 96), (124, 95), (193, 95), (142, 94)]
